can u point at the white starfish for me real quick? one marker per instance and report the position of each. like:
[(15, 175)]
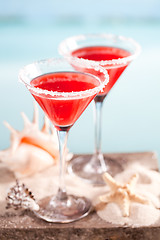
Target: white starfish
[(122, 194)]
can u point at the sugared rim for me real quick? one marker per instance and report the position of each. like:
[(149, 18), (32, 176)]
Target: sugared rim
[(120, 61), (25, 79)]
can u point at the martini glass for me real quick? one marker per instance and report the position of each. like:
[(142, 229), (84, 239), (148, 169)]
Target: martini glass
[(114, 53), (63, 93)]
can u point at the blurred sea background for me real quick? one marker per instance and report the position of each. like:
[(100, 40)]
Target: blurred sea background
[(32, 30)]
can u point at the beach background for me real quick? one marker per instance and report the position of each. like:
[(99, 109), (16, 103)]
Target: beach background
[(32, 30)]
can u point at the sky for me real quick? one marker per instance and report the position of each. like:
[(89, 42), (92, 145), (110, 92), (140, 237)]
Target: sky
[(86, 9)]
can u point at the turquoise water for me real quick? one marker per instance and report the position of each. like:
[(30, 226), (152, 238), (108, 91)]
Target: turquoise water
[(131, 112)]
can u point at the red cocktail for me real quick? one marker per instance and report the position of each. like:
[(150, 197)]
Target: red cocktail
[(64, 112), (63, 93), (103, 53), (114, 53)]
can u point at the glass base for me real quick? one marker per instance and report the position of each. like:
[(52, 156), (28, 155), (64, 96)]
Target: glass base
[(91, 170), (63, 211)]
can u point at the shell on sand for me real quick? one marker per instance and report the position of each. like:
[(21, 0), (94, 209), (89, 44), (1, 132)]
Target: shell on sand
[(32, 149)]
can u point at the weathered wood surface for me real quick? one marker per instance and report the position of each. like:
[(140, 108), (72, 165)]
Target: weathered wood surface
[(27, 226)]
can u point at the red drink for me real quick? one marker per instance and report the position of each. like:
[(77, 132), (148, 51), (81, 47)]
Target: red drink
[(103, 53), (64, 111)]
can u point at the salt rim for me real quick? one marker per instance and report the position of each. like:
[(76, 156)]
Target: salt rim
[(23, 78), (71, 41)]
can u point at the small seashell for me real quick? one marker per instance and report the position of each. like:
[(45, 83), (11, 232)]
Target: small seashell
[(19, 197)]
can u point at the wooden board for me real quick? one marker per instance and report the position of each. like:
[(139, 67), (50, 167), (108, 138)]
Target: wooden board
[(27, 226)]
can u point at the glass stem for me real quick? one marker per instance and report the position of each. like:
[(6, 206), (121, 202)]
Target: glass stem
[(62, 137), (98, 130)]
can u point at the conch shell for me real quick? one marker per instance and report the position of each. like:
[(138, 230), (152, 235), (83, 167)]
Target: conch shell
[(31, 150)]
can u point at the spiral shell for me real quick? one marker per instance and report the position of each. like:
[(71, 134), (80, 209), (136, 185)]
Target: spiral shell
[(31, 150)]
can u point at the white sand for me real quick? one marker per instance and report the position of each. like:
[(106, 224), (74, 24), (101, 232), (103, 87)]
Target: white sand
[(46, 183)]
